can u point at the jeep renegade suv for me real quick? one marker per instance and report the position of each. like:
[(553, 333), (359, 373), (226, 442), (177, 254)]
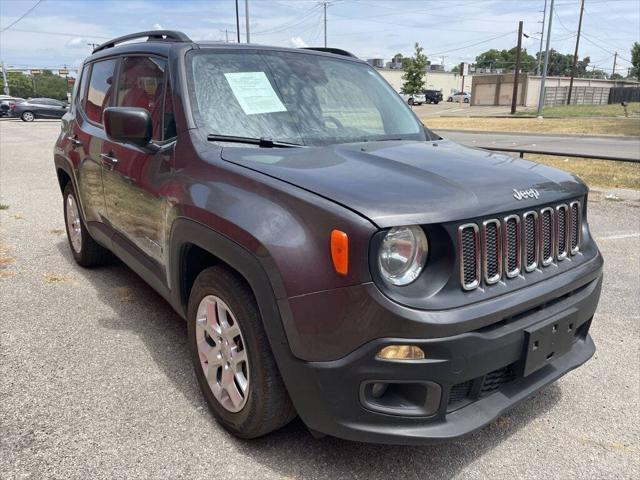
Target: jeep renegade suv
[(332, 257)]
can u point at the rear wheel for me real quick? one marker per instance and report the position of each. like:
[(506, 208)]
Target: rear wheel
[(86, 251), (27, 117), (466, 100), (450, 99), (410, 101), (234, 365)]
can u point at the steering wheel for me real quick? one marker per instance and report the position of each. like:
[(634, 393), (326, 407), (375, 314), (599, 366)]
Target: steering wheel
[(334, 120)]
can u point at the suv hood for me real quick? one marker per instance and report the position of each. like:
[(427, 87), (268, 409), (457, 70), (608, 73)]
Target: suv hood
[(407, 182)]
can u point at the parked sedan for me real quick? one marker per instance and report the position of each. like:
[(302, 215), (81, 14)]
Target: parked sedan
[(413, 99), (455, 97), (5, 104), (34, 108)]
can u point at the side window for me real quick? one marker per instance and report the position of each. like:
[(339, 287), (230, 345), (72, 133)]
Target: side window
[(141, 84), (100, 89)]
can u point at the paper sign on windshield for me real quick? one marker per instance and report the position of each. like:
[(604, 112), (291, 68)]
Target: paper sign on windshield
[(254, 92)]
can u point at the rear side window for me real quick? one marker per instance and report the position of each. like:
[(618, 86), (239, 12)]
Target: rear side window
[(141, 84), (100, 89)]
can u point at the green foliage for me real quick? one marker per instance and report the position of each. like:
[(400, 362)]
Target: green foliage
[(414, 72), (560, 65), (456, 69), (506, 59), (46, 85), (615, 76), (635, 60), (600, 74)]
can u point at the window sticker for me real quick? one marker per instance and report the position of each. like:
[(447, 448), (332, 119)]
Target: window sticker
[(254, 92)]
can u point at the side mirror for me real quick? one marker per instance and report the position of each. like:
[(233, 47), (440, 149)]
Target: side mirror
[(128, 125)]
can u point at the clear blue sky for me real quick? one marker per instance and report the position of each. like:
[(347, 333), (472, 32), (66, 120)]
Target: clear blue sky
[(457, 30)]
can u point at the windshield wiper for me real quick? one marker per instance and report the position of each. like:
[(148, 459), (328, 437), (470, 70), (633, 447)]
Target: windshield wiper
[(261, 142)]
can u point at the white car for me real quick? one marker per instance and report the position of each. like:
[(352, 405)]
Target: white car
[(455, 97), (417, 99)]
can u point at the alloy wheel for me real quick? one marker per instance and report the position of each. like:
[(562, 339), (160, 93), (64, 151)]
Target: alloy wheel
[(73, 224), (222, 353)]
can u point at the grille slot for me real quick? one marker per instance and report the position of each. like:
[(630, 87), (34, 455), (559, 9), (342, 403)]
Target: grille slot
[(530, 242), (496, 379), (491, 251), (562, 231), (469, 255), (546, 236), (575, 227), (512, 245)]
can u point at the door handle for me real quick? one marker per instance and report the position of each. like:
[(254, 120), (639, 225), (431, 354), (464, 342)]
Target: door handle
[(74, 141), (108, 160)]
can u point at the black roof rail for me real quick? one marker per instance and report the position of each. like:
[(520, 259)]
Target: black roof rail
[(167, 35), (335, 51)]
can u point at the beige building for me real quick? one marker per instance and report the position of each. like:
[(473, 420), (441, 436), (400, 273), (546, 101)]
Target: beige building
[(446, 82), (498, 89)]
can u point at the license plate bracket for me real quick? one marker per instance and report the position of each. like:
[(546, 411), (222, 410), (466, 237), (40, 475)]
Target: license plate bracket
[(546, 341)]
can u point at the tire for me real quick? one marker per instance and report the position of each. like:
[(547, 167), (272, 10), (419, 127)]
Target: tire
[(450, 99), (264, 406), (410, 101), (86, 252), (466, 100), (436, 102), (28, 116)]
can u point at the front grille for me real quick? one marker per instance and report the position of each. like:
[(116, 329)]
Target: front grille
[(517, 245), (496, 379)]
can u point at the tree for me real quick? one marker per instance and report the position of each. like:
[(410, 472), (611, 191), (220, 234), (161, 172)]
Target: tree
[(635, 60), (615, 76), (456, 69), (414, 72), (20, 85), (505, 59), (560, 64), (599, 74)]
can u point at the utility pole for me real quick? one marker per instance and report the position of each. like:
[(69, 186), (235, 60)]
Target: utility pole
[(514, 97), (226, 33), (324, 4), (237, 22), (5, 84), (575, 54), (546, 63), (93, 45), (544, 19), (615, 57), (246, 19)]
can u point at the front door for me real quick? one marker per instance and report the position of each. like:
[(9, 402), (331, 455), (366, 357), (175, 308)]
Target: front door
[(134, 177)]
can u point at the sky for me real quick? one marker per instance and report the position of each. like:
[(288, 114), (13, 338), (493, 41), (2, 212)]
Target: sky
[(56, 32)]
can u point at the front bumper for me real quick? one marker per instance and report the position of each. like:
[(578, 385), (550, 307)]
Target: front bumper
[(475, 376)]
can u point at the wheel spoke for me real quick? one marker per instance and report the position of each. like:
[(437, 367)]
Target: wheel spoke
[(237, 358), (230, 387)]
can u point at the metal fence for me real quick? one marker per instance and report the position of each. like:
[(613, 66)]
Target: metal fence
[(624, 94), (579, 95)]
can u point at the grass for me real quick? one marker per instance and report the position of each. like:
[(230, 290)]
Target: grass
[(574, 126), (595, 173), (566, 111), (4, 206)]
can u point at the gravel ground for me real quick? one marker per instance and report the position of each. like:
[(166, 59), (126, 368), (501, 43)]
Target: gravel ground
[(95, 380)]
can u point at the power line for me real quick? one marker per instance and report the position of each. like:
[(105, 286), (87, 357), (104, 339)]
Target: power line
[(471, 45), (62, 34), (22, 16)]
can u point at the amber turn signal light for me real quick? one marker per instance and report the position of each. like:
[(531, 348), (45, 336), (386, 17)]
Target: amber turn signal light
[(340, 251), (401, 352)]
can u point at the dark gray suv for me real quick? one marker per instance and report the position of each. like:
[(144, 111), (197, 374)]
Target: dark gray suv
[(333, 258)]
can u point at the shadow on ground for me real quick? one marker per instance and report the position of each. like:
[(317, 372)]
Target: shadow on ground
[(291, 451)]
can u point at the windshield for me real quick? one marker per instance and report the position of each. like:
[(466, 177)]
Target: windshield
[(295, 97)]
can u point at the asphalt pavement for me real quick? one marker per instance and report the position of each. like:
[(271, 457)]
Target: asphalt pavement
[(587, 146), (96, 381)]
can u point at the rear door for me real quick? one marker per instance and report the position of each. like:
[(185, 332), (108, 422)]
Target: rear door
[(134, 177)]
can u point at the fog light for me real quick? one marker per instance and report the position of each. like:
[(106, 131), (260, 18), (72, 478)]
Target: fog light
[(401, 352)]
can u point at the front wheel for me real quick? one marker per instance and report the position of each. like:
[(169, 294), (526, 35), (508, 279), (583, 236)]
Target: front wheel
[(436, 102), (466, 100), (27, 117), (450, 99), (234, 365), (410, 101)]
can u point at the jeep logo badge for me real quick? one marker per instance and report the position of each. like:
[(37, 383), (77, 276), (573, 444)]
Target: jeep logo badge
[(522, 194)]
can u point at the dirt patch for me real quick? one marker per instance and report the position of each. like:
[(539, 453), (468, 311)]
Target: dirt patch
[(51, 277), (56, 231), (125, 295), (6, 261)]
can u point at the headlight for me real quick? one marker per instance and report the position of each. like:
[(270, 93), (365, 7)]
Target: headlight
[(402, 255)]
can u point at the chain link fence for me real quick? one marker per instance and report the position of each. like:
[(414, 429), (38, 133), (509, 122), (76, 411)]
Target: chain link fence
[(579, 95)]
